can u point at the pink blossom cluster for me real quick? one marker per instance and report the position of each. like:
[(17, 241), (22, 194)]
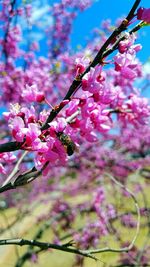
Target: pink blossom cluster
[(32, 94), (94, 231), (90, 236), (25, 128), (68, 214), (10, 45), (25, 86), (128, 221)]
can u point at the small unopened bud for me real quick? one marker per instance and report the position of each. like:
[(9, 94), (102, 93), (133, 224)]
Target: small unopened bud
[(64, 103)]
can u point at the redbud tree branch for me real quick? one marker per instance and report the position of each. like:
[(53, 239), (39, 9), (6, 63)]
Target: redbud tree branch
[(10, 146), (15, 169), (31, 250), (14, 181), (22, 179), (97, 60), (45, 246), (103, 52), (13, 146)]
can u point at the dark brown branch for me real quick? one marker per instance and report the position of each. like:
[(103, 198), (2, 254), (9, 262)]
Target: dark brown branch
[(45, 246), (22, 179), (28, 254), (10, 146), (97, 60)]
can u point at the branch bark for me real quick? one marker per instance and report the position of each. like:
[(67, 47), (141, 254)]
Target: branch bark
[(45, 246)]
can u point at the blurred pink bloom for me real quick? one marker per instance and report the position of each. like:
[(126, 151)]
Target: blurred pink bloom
[(18, 128), (127, 65), (81, 64), (144, 14), (93, 80), (32, 94)]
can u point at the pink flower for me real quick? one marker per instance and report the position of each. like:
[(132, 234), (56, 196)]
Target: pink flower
[(30, 114), (87, 107), (144, 14), (100, 120), (58, 125), (72, 107), (33, 131), (55, 153), (14, 110), (93, 80), (127, 65), (81, 65), (9, 157), (33, 141), (128, 44), (140, 108), (99, 197), (18, 128), (42, 158), (32, 94)]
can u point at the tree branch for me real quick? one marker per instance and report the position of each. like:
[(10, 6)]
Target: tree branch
[(15, 169), (45, 246), (103, 52), (22, 179), (10, 146), (97, 60)]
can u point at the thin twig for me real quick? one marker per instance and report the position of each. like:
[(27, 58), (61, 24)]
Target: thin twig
[(125, 249), (73, 116), (22, 179), (15, 169)]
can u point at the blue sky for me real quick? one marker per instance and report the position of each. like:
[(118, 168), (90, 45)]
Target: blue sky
[(104, 9), (86, 21)]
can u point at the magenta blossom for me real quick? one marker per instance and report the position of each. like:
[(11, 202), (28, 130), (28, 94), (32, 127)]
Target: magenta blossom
[(18, 128), (81, 65), (33, 141), (93, 80), (32, 94), (144, 14), (128, 44), (127, 65)]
